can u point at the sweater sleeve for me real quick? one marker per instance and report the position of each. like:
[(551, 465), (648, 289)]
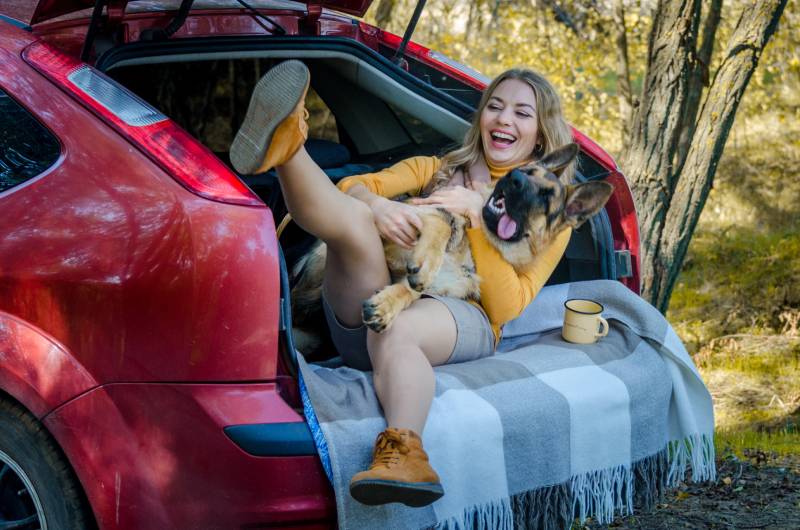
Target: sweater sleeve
[(408, 176), (505, 292)]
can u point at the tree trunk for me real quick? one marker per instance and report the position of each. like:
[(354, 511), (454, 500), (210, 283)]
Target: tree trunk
[(623, 72), (699, 79), (756, 25), (655, 128), (383, 15)]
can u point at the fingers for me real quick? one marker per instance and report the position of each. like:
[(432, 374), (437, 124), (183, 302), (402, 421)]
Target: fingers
[(414, 219), (399, 236)]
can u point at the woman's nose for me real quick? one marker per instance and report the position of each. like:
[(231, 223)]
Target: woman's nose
[(506, 116)]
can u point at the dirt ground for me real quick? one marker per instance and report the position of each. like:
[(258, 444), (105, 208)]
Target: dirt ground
[(758, 491)]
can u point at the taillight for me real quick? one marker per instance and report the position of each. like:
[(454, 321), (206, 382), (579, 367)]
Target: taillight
[(158, 137)]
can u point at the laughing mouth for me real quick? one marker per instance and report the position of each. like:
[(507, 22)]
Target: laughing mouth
[(502, 138), (506, 226)]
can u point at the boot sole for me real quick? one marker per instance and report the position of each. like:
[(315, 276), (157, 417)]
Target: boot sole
[(274, 97), (376, 492)]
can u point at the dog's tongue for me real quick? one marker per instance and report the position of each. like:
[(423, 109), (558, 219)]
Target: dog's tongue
[(506, 227)]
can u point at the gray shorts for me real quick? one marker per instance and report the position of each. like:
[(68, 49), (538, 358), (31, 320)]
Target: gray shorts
[(475, 338)]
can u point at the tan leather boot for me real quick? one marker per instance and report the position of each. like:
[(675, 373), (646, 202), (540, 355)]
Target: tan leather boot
[(400, 472), (274, 127)]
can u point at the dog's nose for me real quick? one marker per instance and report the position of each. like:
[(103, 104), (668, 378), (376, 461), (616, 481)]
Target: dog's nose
[(518, 179)]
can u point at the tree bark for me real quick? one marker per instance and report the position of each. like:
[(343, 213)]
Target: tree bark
[(756, 25), (655, 128), (383, 15), (623, 72), (700, 77)]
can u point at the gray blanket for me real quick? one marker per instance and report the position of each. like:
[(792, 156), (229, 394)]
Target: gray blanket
[(541, 433)]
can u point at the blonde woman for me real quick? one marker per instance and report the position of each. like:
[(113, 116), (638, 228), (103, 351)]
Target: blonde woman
[(518, 120)]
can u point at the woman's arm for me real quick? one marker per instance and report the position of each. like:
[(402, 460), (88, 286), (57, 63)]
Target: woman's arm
[(407, 176), (504, 292), (395, 221)]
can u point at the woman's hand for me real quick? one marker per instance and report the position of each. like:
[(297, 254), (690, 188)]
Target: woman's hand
[(458, 200), (396, 221)]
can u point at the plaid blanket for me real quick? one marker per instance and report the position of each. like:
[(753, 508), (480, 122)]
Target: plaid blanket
[(541, 433)]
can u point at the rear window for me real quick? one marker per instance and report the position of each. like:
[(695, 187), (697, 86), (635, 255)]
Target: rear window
[(27, 148)]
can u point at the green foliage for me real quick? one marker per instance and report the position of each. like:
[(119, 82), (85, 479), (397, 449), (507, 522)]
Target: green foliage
[(782, 442), (582, 63)]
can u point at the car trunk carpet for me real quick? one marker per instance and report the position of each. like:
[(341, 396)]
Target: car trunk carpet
[(541, 433)]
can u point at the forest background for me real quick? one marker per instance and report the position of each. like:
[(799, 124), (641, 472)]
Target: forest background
[(736, 303)]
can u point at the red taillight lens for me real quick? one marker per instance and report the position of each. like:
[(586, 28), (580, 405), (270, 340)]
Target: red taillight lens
[(169, 146)]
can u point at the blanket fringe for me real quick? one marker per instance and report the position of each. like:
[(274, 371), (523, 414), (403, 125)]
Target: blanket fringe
[(490, 516), (602, 495), (697, 449)]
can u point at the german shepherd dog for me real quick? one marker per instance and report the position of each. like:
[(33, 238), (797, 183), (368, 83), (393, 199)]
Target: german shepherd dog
[(522, 214)]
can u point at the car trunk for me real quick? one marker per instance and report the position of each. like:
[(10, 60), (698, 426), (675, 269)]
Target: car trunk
[(365, 114)]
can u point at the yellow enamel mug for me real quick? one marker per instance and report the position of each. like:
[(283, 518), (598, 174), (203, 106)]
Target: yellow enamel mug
[(582, 321)]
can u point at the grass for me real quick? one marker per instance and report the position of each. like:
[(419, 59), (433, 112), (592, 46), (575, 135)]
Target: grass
[(737, 301), (784, 442)]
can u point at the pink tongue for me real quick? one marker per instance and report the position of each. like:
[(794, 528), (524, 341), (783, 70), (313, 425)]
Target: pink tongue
[(506, 227)]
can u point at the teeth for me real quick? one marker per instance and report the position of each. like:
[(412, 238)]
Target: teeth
[(503, 136), (497, 205)]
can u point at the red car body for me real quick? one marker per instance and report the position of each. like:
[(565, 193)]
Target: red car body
[(139, 319)]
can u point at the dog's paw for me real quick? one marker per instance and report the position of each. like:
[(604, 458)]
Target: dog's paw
[(417, 277), (375, 315)]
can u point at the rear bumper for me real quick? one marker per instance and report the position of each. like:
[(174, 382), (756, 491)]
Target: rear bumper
[(194, 456)]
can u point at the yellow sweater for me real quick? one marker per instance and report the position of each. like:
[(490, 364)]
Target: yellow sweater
[(505, 292)]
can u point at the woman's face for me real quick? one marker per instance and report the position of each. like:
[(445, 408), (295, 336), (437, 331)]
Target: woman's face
[(509, 125)]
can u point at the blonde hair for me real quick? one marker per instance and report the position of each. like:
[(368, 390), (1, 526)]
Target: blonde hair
[(553, 129)]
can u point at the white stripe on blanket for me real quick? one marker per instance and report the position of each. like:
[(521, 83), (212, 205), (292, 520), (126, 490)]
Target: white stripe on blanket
[(477, 475), (599, 421)]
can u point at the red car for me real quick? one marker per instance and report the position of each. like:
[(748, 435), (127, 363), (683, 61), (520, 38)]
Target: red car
[(146, 374)]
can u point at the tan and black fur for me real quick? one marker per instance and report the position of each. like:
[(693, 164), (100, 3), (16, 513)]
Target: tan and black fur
[(441, 263)]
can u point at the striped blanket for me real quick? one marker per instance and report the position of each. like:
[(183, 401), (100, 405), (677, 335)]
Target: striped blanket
[(541, 433)]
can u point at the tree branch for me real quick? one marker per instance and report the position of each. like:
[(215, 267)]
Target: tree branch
[(699, 79), (755, 27)]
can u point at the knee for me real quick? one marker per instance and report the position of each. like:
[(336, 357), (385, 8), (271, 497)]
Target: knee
[(358, 221), (390, 345), (355, 233)]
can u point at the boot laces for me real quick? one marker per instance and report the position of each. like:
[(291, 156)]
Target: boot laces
[(388, 449)]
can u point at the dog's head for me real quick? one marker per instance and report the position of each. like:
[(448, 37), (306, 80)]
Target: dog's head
[(530, 206)]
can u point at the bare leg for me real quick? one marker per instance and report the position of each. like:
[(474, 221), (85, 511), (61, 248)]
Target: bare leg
[(356, 265), (403, 357)]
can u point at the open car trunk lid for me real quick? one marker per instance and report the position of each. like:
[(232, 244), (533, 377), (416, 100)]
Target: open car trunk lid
[(50, 9)]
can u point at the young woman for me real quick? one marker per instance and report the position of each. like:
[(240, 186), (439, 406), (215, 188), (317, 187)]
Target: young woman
[(519, 119)]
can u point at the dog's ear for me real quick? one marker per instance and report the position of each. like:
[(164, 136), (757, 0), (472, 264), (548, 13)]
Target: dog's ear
[(585, 200), (556, 161)]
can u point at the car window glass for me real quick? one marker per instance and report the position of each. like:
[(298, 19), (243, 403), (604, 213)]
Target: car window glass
[(422, 133), (321, 122), (27, 149)]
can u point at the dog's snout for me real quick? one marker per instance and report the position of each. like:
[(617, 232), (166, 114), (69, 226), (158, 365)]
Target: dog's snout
[(518, 179)]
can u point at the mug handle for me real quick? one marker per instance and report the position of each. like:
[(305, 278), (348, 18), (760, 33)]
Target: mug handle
[(603, 327)]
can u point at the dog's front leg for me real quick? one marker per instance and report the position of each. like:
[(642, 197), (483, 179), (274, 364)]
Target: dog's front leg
[(428, 254), (380, 310)]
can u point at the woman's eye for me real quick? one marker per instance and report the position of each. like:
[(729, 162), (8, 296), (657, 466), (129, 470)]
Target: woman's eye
[(494, 107), (523, 115)]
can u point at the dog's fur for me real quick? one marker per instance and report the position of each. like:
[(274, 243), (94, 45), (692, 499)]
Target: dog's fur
[(441, 263)]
